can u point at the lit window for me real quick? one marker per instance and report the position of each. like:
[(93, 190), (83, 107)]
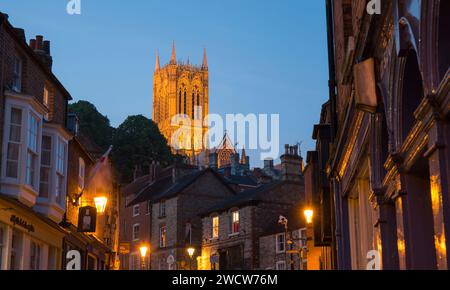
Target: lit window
[(280, 243), (81, 173), (15, 132), (35, 256), (136, 210), (162, 236), (17, 75), (136, 229), (215, 227), (33, 125), (46, 97), (162, 209), (46, 154), (235, 222)]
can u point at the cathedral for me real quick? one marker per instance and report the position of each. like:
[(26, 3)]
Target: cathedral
[(181, 103)]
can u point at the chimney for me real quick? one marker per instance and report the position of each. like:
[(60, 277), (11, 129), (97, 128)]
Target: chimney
[(213, 160), (268, 164), (291, 164), (42, 50), (235, 164)]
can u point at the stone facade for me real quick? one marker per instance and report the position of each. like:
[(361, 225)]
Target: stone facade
[(181, 89), (388, 166)]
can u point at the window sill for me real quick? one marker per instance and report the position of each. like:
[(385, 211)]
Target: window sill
[(233, 235)]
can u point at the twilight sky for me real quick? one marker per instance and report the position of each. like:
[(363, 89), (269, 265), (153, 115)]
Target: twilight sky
[(264, 56)]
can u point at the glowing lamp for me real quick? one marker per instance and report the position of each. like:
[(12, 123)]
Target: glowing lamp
[(100, 204), (143, 250), (191, 251), (309, 213)]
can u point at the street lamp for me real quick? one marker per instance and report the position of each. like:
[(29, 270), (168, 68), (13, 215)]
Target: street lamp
[(191, 252), (143, 250), (100, 204), (309, 213)]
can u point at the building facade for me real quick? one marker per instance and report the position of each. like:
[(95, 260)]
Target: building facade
[(181, 103), (34, 140), (388, 168), (236, 231)]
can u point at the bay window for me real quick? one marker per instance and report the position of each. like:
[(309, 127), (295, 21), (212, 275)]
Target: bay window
[(46, 158), (60, 170), (32, 153), (13, 154)]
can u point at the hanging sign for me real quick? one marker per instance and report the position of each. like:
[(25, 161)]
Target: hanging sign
[(87, 219)]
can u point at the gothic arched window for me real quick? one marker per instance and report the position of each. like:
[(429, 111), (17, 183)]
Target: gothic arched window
[(198, 106), (179, 103), (185, 112), (193, 106)]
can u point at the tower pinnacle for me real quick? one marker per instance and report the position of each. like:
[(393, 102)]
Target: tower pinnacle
[(205, 60), (173, 58), (157, 66)]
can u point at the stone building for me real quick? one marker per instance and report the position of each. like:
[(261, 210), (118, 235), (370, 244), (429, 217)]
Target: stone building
[(235, 229), (34, 140), (174, 198), (181, 89), (388, 166)]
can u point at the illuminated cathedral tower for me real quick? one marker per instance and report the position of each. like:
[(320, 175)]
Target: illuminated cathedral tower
[(181, 89)]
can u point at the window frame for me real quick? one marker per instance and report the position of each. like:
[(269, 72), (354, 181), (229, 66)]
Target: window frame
[(81, 173), (134, 233), (9, 142), (33, 153), (136, 210), (278, 264), (162, 236), (35, 264), (44, 166), (235, 223), (278, 243), (215, 227), (17, 74), (162, 209)]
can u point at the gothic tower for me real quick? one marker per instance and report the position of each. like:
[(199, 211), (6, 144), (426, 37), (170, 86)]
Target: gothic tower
[(181, 102)]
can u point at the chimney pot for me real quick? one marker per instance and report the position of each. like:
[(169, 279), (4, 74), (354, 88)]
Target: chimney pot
[(39, 40), (33, 44), (46, 47), (286, 149)]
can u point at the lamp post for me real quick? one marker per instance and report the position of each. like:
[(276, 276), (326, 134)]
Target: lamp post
[(191, 252), (143, 250)]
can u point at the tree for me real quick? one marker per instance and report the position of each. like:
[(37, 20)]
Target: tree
[(138, 142), (93, 124)]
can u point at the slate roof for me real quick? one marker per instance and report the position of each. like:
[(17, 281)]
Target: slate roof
[(253, 195), (164, 188), (241, 180)]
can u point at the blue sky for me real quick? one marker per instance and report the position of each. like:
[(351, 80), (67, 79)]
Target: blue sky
[(264, 56)]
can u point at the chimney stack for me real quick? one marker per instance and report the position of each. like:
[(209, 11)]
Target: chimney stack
[(291, 164), (42, 50)]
